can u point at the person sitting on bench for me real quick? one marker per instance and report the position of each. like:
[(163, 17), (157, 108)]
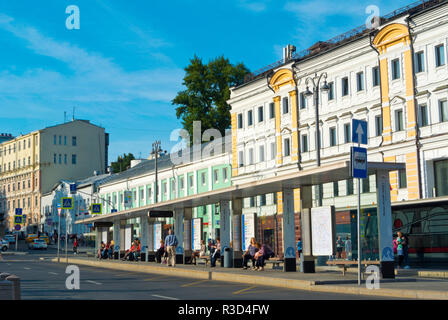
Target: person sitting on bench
[(264, 253), (160, 252), (129, 252), (250, 254), (215, 252)]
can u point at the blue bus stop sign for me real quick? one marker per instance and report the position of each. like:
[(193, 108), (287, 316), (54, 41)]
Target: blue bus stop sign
[(359, 162), (18, 211), (72, 188)]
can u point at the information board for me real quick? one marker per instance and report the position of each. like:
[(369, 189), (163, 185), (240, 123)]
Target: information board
[(157, 235), (322, 230), (196, 232), (248, 228)]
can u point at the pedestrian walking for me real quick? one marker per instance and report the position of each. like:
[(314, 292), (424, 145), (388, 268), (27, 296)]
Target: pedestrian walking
[(348, 248), (339, 246), (299, 247), (171, 244), (400, 252), (75, 246)]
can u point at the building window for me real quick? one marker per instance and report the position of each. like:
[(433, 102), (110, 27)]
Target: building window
[(378, 125), (65, 140), (375, 76), (335, 189), (240, 121), (73, 141), (349, 186), (402, 179), (65, 159), (241, 159), (344, 86), (332, 137), (440, 55), (302, 100), (261, 153), (287, 147), (224, 174), (216, 175), (395, 69), (60, 158), (252, 202), (249, 118), (304, 144), (419, 62), (399, 126), (272, 110), (262, 200), (54, 139), (365, 185), (443, 107), (260, 114), (181, 183), (54, 158), (191, 180), (273, 150), (360, 81), (203, 178), (423, 115), (60, 139), (251, 156), (331, 91), (441, 177), (73, 158), (347, 133), (285, 105)]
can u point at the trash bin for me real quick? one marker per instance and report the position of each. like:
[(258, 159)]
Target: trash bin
[(228, 258)]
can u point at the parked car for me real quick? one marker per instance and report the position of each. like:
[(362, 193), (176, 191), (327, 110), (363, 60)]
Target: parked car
[(10, 238), (4, 245), (38, 244)]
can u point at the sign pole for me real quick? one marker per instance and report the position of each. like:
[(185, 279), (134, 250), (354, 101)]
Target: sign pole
[(359, 232), (59, 232), (17, 239), (66, 236)]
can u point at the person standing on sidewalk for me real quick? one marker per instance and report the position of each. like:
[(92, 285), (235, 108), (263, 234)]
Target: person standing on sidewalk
[(170, 245), (348, 248), (400, 251), (339, 246)]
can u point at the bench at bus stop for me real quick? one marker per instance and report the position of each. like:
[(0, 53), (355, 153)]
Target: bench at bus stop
[(345, 264)]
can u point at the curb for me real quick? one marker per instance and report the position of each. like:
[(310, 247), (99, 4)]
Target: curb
[(315, 286), (13, 253), (433, 274)]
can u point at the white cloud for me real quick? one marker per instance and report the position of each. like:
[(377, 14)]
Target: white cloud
[(93, 77), (254, 6)]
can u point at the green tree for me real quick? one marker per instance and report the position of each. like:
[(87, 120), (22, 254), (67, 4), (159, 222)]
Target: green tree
[(122, 163), (206, 93)]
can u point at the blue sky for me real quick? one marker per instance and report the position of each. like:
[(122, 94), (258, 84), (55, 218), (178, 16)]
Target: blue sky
[(125, 64)]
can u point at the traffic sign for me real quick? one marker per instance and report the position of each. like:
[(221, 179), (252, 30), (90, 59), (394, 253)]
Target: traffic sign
[(96, 208), (18, 219), (359, 162), (72, 188), (359, 131), (18, 211), (17, 227), (67, 203), (113, 210)]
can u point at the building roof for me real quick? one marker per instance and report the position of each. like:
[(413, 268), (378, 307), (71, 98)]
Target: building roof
[(362, 31), (163, 162)]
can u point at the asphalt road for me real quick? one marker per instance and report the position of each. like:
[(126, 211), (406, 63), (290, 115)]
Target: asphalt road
[(43, 279)]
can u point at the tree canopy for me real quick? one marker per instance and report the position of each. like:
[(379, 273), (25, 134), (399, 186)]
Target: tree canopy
[(122, 163), (206, 93)]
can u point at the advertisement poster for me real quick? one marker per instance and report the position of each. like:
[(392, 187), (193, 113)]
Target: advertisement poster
[(196, 233), (322, 227)]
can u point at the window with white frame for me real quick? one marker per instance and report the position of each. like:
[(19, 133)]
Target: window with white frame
[(287, 147), (261, 153), (399, 121), (395, 67), (440, 55), (251, 156), (304, 143), (241, 159), (273, 150)]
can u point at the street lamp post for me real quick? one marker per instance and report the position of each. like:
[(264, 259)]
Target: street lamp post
[(156, 149), (315, 82)]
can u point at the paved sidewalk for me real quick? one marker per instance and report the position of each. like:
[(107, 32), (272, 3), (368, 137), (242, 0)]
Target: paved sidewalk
[(324, 280)]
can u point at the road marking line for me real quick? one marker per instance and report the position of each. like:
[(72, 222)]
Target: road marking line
[(155, 278), (164, 297), (242, 290), (259, 291), (27, 268), (193, 283), (93, 282), (52, 273)]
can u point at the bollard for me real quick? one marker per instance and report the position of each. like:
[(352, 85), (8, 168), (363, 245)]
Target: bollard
[(15, 287)]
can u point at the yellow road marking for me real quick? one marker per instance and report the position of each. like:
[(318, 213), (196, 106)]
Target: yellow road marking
[(259, 291), (193, 283), (155, 278), (243, 290)]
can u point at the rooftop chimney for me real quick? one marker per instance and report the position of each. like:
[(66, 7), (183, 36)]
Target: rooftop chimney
[(288, 51)]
